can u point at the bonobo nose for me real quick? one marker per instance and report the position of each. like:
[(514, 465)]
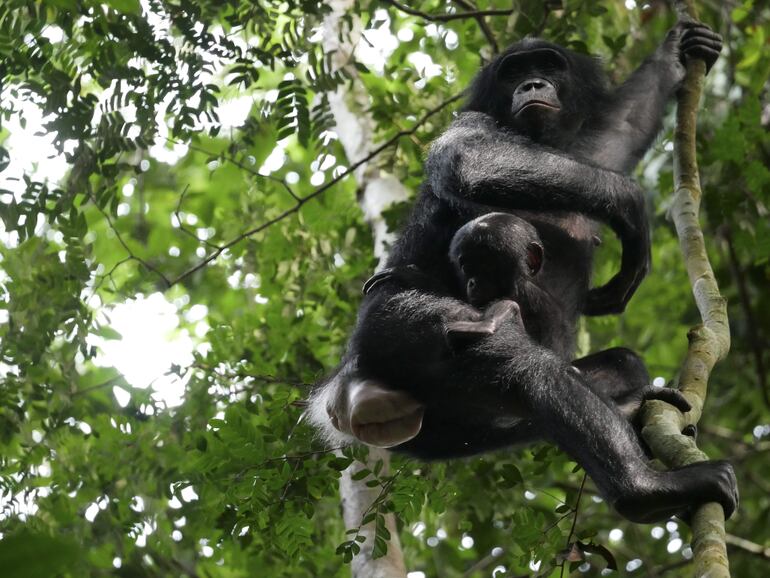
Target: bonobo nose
[(531, 84)]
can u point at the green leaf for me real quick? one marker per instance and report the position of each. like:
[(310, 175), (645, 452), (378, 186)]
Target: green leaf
[(125, 6), (34, 555)]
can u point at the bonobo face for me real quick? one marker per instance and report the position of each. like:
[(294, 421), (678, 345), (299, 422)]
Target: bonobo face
[(535, 78)]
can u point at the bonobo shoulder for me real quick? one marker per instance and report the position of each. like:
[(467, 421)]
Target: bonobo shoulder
[(467, 125), (470, 128)]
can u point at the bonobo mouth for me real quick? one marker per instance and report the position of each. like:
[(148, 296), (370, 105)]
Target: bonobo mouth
[(536, 103)]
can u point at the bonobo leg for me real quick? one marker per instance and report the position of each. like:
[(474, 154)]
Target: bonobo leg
[(407, 332), (588, 426), (619, 374)]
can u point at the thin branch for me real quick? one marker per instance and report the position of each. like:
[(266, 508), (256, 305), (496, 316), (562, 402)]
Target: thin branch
[(574, 521), (483, 563), (107, 275), (319, 191), (131, 254), (89, 389), (181, 224), (448, 16), (485, 29), (748, 546), (660, 570), (240, 164)]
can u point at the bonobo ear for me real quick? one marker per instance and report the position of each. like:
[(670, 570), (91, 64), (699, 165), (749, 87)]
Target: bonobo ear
[(534, 257)]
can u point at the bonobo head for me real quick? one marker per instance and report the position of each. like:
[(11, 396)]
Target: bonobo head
[(540, 90), (494, 256)]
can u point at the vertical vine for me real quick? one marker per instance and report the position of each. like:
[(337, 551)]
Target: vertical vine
[(709, 341)]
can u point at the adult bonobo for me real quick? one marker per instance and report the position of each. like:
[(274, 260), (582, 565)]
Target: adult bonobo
[(542, 136)]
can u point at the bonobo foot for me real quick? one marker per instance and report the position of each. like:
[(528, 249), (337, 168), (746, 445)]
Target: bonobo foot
[(630, 403), (461, 333), (679, 491), (375, 415)]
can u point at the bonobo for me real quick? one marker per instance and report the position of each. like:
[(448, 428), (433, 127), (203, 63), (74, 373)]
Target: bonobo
[(544, 137), (498, 257)]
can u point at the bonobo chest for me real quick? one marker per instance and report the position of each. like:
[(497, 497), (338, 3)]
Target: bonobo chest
[(569, 240)]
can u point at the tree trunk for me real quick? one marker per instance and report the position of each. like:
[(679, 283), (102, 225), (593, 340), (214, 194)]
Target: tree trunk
[(709, 342), (380, 190)]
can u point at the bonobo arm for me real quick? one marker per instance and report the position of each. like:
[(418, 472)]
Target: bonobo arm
[(625, 127), (477, 162)]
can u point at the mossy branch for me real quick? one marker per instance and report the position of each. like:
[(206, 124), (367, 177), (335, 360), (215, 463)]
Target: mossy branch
[(709, 342)]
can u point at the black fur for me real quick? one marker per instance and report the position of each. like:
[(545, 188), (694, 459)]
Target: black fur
[(543, 136)]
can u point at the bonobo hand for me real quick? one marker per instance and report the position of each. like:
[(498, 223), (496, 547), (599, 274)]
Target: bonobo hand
[(630, 223), (462, 333), (631, 403), (375, 415), (691, 39)]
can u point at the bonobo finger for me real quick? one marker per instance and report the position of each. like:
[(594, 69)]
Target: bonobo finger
[(460, 334), (501, 310), (699, 41), (669, 395), (383, 417), (468, 329)]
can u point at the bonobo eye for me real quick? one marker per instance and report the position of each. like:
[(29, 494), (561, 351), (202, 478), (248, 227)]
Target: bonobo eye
[(537, 59), (534, 257)]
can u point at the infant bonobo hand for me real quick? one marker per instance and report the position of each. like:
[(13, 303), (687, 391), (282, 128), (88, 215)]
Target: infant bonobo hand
[(375, 415), (462, 333)]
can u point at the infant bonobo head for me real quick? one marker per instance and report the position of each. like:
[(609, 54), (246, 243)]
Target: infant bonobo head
[(494, 255)]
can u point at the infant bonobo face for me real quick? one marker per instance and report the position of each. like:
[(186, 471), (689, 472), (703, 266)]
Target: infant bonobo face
[(494, 255)]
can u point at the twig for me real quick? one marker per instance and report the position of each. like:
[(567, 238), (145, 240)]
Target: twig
[(448, 16), (319, 191), (748, 546), (485, 29), (240, 164), (660, 570), (574, 521), (483, 563), (131, 254), (181, 224), (91, 388)]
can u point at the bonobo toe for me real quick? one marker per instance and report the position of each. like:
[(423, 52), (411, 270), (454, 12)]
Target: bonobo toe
[(717, 484)]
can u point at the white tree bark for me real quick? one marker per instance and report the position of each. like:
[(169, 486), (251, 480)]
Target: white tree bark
[(354, 127)]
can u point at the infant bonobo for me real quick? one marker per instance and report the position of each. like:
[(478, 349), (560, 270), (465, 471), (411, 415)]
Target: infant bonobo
[(497, 258)]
